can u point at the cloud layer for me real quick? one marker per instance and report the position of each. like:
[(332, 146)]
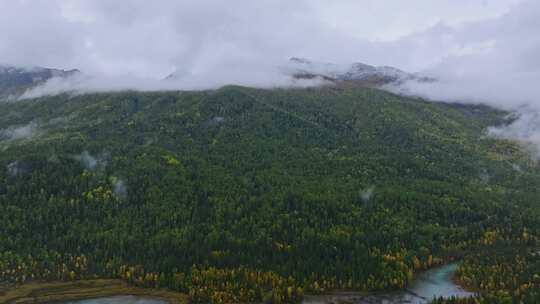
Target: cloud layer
[(494, 62), (150, 39)]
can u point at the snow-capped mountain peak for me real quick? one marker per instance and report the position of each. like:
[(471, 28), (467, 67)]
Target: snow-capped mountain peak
[(355, 72)]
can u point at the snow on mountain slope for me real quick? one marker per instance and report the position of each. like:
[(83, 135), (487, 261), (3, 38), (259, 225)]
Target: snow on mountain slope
[(377, 75), (15, 80)]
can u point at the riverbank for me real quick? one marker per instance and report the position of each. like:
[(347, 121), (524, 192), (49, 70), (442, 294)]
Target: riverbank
[(429, 284), (58, 292), (435, 282)]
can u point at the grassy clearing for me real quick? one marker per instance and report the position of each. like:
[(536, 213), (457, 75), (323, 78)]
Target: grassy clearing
[(56, 292)]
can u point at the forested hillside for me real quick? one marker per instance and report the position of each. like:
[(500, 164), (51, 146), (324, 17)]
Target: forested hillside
[(243, 195)]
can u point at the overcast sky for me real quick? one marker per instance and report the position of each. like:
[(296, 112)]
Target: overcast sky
[(152, 38)]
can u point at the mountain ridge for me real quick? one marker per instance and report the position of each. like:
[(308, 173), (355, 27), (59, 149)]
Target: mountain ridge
[(14, 80), (357, 72)]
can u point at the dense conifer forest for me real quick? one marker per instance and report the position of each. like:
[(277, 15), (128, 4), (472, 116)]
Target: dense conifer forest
[(263, 195)]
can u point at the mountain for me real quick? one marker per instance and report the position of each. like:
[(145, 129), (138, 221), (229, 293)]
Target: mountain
[(15, 80), (254, 195), (355, 73), (338, 74)]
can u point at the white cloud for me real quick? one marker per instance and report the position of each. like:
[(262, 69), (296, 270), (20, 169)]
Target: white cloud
[(378, 20), (494, 62), (150, 39), (525, 129), (19, 132), (91, 162), (366, 194), (120, 188)]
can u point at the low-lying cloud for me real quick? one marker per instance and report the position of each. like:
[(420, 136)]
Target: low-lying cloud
[(19, 132), (495, 62), (120, 188), (366, 194), (92, 162), (525, 129), (262, 77)]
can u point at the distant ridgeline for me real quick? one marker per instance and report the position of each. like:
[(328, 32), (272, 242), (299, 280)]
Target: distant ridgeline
[(15, 80), (249, 195), (357, 74)]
